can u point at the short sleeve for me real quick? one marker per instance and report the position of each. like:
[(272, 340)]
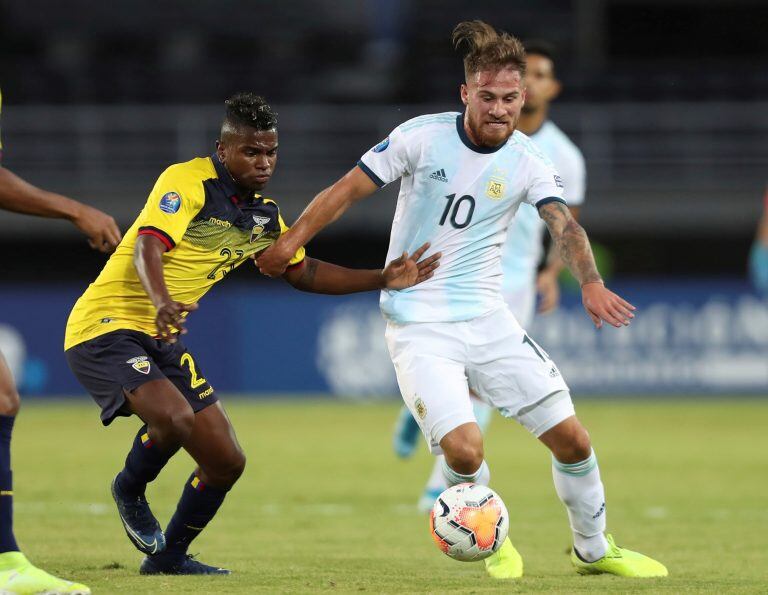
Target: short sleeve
[(544, 184), (574, 174), (388, 161), (301, 254), (174, 201)]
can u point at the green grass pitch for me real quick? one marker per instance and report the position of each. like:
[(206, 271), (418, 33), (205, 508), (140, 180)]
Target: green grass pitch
[(324, 505)]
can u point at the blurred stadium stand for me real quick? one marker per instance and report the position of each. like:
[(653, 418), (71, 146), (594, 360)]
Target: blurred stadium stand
[(666, 99), (661, 170)]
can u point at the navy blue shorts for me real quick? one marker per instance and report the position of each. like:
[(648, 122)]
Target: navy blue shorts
[(123, 360)]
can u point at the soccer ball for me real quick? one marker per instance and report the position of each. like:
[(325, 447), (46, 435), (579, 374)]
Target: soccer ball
[(469, 522)]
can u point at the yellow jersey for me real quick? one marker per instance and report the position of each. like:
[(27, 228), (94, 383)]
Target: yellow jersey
[(194, 210)]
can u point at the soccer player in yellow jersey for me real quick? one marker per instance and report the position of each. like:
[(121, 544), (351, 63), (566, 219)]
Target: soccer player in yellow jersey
[(17, 574), (203, 218)]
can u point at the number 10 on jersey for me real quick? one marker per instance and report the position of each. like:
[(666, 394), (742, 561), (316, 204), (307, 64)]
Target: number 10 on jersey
[(459, 217)]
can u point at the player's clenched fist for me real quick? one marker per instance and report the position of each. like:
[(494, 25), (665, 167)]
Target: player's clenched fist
[(603, 305), (170, 316), (100, 229), (407, 271), (273, 261)]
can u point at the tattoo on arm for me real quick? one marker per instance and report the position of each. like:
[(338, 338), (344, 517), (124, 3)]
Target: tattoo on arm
[(307, 279), (571, 241)]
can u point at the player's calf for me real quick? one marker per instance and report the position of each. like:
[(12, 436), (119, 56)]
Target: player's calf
[(221, 461), (9, 396), (576, 476)]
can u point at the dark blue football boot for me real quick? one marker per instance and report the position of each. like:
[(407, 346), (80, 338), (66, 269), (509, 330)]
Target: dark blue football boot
[(177, 564), (140, 524)]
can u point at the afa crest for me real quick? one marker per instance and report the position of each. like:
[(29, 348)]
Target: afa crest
[(495, 189), (421, 408), (140, 364), (497, 184), (260, 224)]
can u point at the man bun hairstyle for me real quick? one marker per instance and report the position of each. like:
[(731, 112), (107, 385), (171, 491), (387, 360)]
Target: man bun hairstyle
[(248, 109), (485, 48)]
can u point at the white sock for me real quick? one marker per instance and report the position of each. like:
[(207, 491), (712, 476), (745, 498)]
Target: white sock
[(436, 481), (482, 476), (579, 487)]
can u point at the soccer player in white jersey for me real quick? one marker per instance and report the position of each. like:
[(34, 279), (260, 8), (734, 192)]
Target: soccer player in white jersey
[(522, 251), (462, 178)]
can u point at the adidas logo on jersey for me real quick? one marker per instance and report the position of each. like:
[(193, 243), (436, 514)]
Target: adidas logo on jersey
[(439, 175)]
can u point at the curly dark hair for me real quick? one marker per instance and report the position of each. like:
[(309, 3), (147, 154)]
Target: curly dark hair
[(248, 109)]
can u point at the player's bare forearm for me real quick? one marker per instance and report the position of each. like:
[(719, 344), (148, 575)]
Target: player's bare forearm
[(317, 276), (404, 271), (571, 242), (20, 196), (324, 209), (328, 206), (148, 260), (600, 303), (554, 264)]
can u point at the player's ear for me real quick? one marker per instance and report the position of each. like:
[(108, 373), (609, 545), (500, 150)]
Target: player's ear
[(557, 86), (464, 94), (220, 150)]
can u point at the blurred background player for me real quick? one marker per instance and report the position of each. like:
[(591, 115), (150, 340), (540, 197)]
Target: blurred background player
[(522, 252), (462, 178), (202, 219), (758, 258), (17, 574)]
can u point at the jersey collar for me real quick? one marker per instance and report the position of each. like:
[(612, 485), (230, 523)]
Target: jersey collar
[(226, 179), (468, 143)]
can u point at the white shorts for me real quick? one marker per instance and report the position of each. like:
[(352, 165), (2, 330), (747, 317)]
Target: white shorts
[(438, 362)]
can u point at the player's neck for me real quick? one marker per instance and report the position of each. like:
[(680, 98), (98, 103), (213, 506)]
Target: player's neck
[(530, 122)]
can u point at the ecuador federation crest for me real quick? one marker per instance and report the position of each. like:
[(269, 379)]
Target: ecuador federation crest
[(140, 364), (259, 226)]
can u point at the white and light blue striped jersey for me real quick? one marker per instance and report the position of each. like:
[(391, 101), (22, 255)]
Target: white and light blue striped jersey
[(459, 197), (522, 251)]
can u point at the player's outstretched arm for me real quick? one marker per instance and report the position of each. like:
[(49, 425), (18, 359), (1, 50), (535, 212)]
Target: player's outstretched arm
[(148, 260), (324, 209), (22, 197), (547, 281), (317, 276), (571, 240)]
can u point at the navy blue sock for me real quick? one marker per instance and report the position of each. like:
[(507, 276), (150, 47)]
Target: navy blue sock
[(198, 505), (7, 540), (143, 464)]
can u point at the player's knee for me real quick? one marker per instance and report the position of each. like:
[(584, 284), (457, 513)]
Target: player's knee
[(175, 426), (465, 458), (577, 448), (227, 470), (9, 401)]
